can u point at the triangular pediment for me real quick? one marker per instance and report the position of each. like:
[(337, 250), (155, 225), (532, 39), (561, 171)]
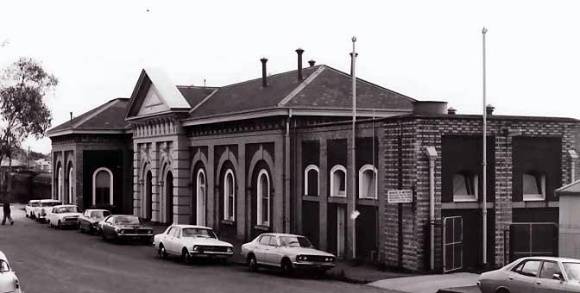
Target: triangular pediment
[(152, 103), (155, 93)]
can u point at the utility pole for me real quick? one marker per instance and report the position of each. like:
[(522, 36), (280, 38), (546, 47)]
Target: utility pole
[(484, 176)]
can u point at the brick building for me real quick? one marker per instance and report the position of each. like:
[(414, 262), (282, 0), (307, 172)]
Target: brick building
[(275, 154)]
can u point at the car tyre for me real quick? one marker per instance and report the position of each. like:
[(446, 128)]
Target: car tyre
[(58, 225), (185, 256), (161, 251), (252, 263), (286, 267)]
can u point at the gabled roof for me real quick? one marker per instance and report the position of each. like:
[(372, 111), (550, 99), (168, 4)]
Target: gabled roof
[(106, 118), (322, 90), (570, 189), (172, 97)]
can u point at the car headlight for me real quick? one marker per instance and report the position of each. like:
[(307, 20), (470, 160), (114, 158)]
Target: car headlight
[(329, 259), (229, 249), (149, 232), (301, 258), (195, 248)]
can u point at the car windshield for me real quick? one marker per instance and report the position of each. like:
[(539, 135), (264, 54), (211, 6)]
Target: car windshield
[(572, 270), (127, 220), (198, 232), (4, 267), (61, 210), (99, 214), (49, 204), (34, 204), (295, 241)]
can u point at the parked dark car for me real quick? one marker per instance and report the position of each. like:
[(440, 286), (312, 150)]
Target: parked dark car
[(125, 227), (90, 218)]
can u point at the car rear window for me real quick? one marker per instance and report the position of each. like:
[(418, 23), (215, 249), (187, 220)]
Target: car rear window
[(529, 268)]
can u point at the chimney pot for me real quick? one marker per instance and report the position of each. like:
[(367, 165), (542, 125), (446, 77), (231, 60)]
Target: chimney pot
[(451, 111), (299, 51), (264, 74), (311, 63), (489, 110)]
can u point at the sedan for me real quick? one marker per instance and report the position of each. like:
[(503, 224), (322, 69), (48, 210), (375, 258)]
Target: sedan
[(287, 252), (190, 242), (8, 280), (128, 227), (63, 216), (44, 206), (90, 219), (533, 274), (29, 208)]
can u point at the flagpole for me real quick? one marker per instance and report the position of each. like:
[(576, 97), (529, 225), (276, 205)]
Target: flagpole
[(353, 187), (484, 175)]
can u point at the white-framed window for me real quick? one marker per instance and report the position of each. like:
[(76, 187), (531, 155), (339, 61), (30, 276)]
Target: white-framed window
[(465, 186), (200, 197), (263, 199), (229, 196), (338, 181), (367, 182), (311, 180), (533, 186), (71, 189), (103, 187)]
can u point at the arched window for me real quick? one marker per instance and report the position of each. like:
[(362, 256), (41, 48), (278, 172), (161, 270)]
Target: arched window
[(263, 198), (60, 183), (103, 187), (465, 186), (200, 197), (534, 186), (229, 196), (338, 181), (311, 179), (367, 182), (71, 189)]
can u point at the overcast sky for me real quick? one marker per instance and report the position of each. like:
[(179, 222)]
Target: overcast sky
[(429, 50)]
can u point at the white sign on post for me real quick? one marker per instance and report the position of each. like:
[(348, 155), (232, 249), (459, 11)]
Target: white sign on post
[(400, 196)]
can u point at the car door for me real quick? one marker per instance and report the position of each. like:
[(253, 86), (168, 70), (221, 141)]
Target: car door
[(108, 226), (273, 254), (546, 283), (83, 220), (262, 246), (524, 276), (50, 214), (174, 241)]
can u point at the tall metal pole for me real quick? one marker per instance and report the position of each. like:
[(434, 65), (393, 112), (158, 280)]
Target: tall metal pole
[(484, 133), (353, 187)]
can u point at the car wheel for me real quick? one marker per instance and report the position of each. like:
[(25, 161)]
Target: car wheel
[(58, 225), (286, 267), (161, 251), (252, 263), (185, 256)]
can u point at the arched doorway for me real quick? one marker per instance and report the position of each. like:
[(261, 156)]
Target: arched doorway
[(169, 197), (102, 187), (200, 197), (59, 183), (148, 196), (71, 193)]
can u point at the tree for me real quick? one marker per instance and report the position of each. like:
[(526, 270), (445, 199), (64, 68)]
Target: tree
[(23, 112)]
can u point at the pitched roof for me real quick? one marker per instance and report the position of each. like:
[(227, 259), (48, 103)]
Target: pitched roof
[(195, 94), (104, 118), (322, 88), (570, 189)]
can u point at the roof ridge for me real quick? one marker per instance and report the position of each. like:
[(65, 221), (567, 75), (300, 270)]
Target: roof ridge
[(372, 84), (204, 100), (301, 86), (197, 86), (258, 78)]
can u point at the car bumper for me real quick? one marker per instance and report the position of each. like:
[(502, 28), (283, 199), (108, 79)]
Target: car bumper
[(212, 254), (134, 236), (69, 223), (311, 265)]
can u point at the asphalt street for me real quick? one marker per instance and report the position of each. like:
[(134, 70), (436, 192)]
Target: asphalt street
[(48, 260)]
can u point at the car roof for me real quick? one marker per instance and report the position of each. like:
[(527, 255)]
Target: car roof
[(281, 234), (123, 215), (552, 258), (96, 210), (34, 200), (191, 226), (64, 205), (49, 200)]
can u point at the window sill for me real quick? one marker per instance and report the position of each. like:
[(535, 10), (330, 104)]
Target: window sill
[(464, 199), (533, 197), (262, 228), (367, 198), (228, 222)]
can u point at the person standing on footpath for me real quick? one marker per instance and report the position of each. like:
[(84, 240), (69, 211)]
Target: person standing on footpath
[(7, 213)]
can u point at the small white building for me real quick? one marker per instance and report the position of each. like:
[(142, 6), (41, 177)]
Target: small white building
[(569, 220)]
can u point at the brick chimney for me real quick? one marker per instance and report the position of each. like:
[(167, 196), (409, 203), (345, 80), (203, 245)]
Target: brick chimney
[(264, 73), (299, 52), (311, 63)]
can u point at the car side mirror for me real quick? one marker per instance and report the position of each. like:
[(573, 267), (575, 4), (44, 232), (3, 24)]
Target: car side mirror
[(558, 276)]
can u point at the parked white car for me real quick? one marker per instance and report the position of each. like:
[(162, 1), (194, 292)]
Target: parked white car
[(189, 241), (8, 280), (63, 216), (288, 252), (533, 274), (44, 206), (29, 208)]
